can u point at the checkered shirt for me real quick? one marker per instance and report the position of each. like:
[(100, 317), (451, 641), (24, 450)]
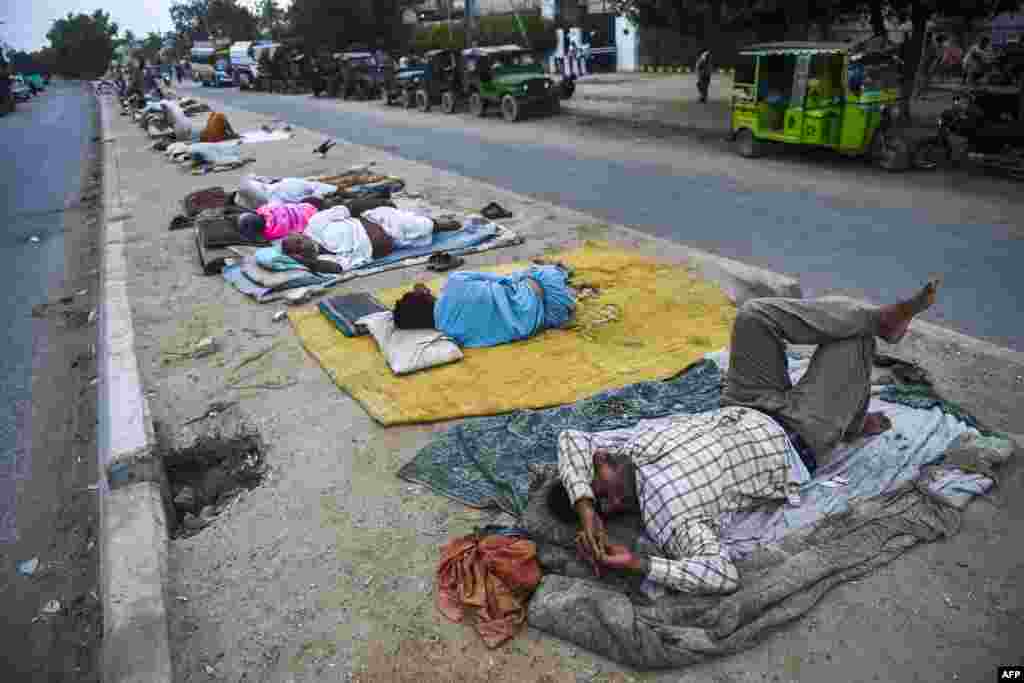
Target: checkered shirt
[(690, 469)]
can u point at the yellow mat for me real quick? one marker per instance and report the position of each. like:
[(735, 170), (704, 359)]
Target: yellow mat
[(649, 321)]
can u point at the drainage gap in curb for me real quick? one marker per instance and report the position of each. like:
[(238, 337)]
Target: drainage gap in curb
[(206, 477)]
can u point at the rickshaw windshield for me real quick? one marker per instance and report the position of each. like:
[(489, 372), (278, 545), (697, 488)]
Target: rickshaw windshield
[(746, 70), (874, 73)]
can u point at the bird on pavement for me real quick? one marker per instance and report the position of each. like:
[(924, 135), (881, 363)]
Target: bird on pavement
[(324, 146)]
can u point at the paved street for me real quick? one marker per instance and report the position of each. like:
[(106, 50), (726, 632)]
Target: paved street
[(836, 224), (45, 508)]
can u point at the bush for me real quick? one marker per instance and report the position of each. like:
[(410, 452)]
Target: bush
[(494, 30)]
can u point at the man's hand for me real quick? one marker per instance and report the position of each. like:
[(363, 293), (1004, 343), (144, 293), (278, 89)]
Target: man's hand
[(620, 557), (592, 539)]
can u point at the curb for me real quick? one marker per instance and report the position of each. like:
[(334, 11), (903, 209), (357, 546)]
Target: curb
[(133, 526)]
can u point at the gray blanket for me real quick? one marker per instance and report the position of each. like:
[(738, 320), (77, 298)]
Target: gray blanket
[(615, 617)]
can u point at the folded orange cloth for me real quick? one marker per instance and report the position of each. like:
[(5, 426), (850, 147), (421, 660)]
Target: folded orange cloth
[(493, 575)]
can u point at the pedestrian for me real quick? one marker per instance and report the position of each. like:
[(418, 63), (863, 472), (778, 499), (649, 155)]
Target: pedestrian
[(572, 59), (952, 58), (704, 74), (583, 54), (977, 60)]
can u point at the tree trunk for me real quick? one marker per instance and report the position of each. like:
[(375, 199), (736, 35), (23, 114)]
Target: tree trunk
[(919, 15), (877, 18)]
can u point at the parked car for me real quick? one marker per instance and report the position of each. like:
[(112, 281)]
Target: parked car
[(439, 82), (399, 81), (20, 89), (7, 99), (362, 74), (509, 77)]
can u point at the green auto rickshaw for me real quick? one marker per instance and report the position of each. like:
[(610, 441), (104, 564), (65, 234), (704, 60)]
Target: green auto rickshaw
[(821, 94)]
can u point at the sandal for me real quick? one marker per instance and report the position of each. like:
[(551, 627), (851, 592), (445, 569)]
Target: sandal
[(495, 210), (443, 261), (180, 222)]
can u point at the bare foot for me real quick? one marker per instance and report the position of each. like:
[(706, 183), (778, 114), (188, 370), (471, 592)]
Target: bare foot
[(895, 318), (876, 423)]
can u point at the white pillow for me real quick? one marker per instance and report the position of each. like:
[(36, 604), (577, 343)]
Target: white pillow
[(407, 351)]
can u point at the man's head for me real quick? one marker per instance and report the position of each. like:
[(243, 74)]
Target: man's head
[(252, 225), (300, 247), (613, 485), (415, 310), (315, 202)]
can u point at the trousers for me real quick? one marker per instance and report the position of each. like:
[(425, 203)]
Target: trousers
[(830, 401)]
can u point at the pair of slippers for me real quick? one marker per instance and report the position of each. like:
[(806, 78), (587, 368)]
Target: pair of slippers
[(494, 210), (443, 261)]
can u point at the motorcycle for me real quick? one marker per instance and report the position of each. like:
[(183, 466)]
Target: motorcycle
[(980, 129)]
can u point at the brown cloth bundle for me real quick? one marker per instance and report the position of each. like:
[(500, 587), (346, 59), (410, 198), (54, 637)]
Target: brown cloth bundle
[(495, 575)]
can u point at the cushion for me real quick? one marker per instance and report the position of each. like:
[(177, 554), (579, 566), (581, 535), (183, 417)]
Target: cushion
[(407, 351)]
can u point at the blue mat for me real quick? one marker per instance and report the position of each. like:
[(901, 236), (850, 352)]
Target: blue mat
[(452, 242), (482, 462)]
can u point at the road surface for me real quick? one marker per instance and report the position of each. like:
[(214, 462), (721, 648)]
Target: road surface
[(839, 226), (47, 457)]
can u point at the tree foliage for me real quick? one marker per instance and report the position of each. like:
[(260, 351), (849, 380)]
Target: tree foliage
[(493, 30), (208, 19), (271, 19), (335, 24), (82, 44)]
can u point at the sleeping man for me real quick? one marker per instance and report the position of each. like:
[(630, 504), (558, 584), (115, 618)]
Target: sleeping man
[(484, 309), (352, 242), (683, 472)]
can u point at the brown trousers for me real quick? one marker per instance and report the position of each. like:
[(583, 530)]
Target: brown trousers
[(831, 399)]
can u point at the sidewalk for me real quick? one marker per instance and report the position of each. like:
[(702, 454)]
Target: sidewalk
[(325, 572), (672, 100)]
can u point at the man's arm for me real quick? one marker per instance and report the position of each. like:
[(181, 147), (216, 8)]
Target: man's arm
[(576, 470), (698, 563)]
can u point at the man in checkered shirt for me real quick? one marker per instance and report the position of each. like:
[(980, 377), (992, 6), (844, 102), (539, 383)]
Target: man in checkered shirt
[(683, 472)]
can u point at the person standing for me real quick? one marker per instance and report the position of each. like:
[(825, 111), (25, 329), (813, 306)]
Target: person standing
[(952, 58), (704, 74), (977, 61)]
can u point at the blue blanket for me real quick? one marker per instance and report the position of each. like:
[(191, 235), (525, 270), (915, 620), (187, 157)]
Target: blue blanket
[(483, 462)]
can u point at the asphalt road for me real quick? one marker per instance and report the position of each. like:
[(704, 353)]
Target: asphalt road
[(44, 142), (879, 251), (48, 456)]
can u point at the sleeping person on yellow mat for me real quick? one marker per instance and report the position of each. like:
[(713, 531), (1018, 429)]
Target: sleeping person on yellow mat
[(485, 309)]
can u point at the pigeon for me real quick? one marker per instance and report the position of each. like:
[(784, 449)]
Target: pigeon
[(324, 146)]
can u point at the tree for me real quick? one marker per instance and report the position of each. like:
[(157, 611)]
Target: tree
[(335, 24), (207, 19), (270, 18), (83, 44), (151, 46)]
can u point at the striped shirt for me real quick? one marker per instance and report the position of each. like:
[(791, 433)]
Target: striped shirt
[(690, 470)]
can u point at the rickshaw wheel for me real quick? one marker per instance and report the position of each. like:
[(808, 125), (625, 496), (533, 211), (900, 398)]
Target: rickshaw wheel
[(510, 109), (422, 100), (477, 105), (405, 100), (448, 102), (890, 152), (747, 145)]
